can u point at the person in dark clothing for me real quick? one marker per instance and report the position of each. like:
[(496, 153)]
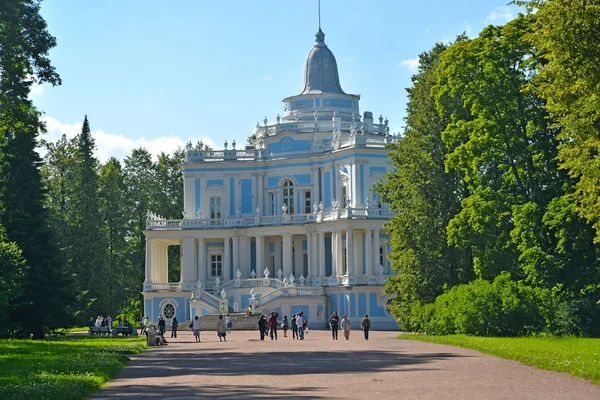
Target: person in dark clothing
[(162, 326), (272, 322), (263, 327), (174, 326), (366, 325), (334, 323)]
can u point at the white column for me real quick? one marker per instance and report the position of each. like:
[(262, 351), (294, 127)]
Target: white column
[(235, 252), (148, 278), (287, 254), (309, 253), (226, 259), (334, 267), (315, 181), (332, 183), (188, 264), (369, 251), (163, 256), (260, 263), (376, 251), (189, 192), (201, 261), (339, 250), (321, 259), (350, 252), (261, 192)]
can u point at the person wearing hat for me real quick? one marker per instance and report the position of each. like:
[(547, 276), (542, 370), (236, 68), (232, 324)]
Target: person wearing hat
[(272, 322)]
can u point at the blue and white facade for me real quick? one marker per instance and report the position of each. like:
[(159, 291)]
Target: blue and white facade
[(289, 224)]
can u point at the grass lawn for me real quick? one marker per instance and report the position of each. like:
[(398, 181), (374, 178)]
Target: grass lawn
[(575, 356), (62, 368)]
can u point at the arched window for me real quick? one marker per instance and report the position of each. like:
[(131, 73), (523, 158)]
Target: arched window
[(288, 196)]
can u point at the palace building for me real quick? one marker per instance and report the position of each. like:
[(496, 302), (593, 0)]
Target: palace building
[(291, 223)]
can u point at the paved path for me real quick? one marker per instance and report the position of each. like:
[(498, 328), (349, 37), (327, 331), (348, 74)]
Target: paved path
[(319, 368)]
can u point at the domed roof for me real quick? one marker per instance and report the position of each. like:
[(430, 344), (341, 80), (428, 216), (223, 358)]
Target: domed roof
[(320, 69)]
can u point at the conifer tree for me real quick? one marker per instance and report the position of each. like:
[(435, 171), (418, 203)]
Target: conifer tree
[(24, 46), (88, 247)]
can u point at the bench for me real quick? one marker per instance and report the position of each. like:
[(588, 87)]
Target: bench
[(99, 330), (123, 330)]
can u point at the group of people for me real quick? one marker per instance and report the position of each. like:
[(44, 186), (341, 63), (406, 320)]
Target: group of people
[(224, 325), (107, 321), (268, 325), (335, 324)]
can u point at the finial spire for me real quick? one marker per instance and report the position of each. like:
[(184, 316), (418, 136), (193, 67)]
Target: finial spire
[(319, 1)]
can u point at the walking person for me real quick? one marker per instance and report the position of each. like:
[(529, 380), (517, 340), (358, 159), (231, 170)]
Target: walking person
[(334, 324), (346, 327), (294, 327), (109, 322), (263, 327), (272, 322), (174, 326), (162, 326), (228, 323), (196, 328), (285, 324), (221, 329), (366, 325), (300, 324)]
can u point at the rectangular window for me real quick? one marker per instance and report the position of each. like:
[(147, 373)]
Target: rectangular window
[(305, 264), (344, 201), (215, 208), (272, 204), (215, 265), (381, 256), (307, 206)]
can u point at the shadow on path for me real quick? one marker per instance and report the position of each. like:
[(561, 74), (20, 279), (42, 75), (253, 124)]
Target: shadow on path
[(228, 363), (193, 374)]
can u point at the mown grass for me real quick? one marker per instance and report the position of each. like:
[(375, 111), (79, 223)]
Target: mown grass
[(575, 356), (62, 368)]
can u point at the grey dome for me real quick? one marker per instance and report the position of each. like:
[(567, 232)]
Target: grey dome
[(320, 69)]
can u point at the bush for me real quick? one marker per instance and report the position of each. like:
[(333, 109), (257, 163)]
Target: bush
[(500, 308)]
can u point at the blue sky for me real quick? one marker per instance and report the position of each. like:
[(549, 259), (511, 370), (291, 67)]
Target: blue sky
[(157, 74)]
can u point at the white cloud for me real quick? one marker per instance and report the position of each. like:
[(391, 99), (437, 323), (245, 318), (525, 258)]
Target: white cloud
[(351, 58), (37, 90), (411, 64), (114, 145), (499, 16)]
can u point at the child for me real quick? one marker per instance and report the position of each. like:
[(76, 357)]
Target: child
[(285, 324)]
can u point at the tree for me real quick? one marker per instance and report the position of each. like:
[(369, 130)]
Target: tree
[(568, 33), (141, 189), (24, 46), (114, 211), (425, 198), (88, 248)]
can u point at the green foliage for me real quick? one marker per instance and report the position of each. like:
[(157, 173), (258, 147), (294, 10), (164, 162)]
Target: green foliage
[(568, 33), (479, 193), (67, 368), (575, 356), (24, 46), (12, 273), (501, 308)]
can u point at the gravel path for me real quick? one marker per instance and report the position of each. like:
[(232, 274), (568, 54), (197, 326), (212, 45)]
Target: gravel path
[(320, 368)]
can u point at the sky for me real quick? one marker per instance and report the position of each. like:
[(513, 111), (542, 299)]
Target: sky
[(157, 74)]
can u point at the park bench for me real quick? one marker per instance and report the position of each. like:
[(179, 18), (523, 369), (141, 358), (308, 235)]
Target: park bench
[(122, 330), (99, 330)]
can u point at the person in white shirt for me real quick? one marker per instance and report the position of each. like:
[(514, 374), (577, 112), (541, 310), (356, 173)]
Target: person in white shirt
[(301, 323), (196, 328), (98, 322)]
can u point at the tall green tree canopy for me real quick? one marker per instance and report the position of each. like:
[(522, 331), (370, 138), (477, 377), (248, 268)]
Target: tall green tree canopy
[(24, 46)]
